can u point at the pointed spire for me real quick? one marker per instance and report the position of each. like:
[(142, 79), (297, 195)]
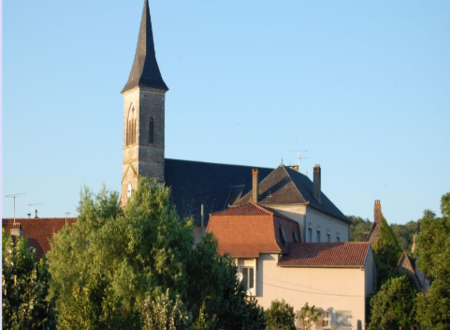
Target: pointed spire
[(145, 70)]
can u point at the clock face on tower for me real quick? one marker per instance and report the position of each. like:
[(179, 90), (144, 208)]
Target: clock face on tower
[(129, 190)]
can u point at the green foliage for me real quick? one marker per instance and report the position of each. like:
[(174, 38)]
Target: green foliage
[(433, 250), (25, 283), (404, 234), (160, 312), (308, 315), (394, 305), (387, 253), (280, 316), (359, 228), (136, 267)]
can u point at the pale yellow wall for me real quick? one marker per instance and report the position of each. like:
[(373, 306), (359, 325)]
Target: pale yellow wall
[(331, 289), (305, 215)]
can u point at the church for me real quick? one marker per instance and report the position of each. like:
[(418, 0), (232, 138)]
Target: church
[(199, 188), (286, 236)]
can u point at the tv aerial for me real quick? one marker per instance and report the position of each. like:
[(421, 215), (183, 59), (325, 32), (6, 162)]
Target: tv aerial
[(299, 156), (13, 196)]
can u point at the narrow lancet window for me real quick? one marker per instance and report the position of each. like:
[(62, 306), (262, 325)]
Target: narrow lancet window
[(151, 131)]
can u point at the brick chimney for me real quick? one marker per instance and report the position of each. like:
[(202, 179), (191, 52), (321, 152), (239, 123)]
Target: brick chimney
[(317, 184), (255, 185), (16, 230), (295, 168), (377, 215)]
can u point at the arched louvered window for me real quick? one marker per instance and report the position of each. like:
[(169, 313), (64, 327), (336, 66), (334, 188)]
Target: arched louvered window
[(131, 127), (151, 131)]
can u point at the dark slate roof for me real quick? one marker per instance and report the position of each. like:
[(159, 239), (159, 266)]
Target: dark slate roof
[(194, 183), (145, 70), (287, 186)]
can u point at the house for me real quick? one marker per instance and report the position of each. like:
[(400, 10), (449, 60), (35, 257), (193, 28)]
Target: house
[(39, 231), (274, 263)]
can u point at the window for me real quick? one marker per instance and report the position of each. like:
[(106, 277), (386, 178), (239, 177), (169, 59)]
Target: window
[(151, 131), (295, 236), (318, 236), (310, 233), (131, 128), (283, 236), (338, 237), (328, 237), (248, 279)]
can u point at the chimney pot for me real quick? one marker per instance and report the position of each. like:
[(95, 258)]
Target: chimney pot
[(255, 187), (317, 184), (377, 211), (35, 213)]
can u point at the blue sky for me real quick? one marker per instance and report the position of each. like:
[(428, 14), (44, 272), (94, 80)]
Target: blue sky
[(363, 86)]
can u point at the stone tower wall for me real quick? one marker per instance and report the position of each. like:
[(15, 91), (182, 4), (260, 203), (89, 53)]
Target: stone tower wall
[(143, 158)]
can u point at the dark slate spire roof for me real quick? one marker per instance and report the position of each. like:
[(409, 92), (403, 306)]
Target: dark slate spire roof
[(145, 70), (287, 186)]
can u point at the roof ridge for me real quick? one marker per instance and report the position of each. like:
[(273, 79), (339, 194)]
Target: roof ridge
[(205, 162)]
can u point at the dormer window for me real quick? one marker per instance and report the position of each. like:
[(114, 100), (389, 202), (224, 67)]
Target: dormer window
[(283, 236)]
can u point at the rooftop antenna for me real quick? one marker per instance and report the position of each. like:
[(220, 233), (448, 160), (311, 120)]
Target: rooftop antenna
[(299, 156), (13, 196), (31, 206)]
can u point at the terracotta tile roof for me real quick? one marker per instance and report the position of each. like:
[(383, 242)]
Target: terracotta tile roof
[(39, 231), (248, 230), (246, 209), (348, 254)]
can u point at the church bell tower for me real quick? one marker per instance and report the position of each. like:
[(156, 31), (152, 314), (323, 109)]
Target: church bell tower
[(143, 114)]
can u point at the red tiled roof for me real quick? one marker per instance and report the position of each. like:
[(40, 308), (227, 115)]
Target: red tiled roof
[(246, 209), (39, 231), (249, 230), (348, 254)]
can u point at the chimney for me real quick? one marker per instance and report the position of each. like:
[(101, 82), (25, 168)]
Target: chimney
[(295, 168), (317, 184), (202, 220), (16, 230), (35, 214), (377, 215), (255, 185)]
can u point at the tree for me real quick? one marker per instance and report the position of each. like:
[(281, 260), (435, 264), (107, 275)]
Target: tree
[(394, 305), (433, 250), (308, 316), (117, 268), (25, 283), (359, 228), (387, 252), (280, 316), (405, 234)]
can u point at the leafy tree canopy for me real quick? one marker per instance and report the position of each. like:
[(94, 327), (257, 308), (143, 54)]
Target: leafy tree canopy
[(280, 316), (25, 283), (359, 228), (433, 250), (135, 267), (394, 305)]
